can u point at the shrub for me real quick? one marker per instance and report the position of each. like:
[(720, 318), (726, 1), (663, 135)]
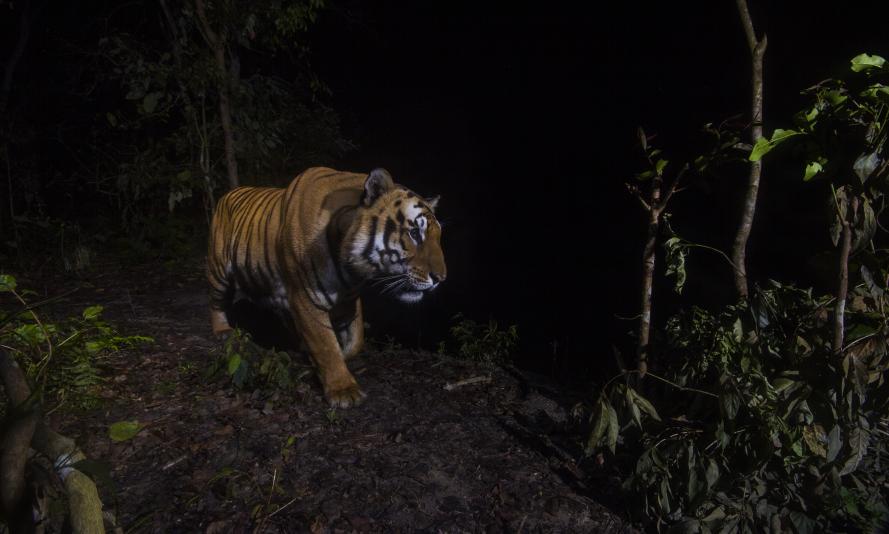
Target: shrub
[(761, 423), (485, 343), (251, 366)]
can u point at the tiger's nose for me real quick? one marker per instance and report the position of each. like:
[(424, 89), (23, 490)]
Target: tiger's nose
[(437, 278)]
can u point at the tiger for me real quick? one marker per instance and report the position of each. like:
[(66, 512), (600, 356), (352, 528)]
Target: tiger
[(309, 249)]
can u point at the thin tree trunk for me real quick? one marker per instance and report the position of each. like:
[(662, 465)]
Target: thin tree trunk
[(739, 249), (217, 45), (648, 264), (839, 316)]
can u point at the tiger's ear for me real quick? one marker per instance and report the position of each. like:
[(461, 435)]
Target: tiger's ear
[(378, 182), (433, 202)]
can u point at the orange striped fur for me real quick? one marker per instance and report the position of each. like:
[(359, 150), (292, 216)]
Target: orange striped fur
[(311, 248)]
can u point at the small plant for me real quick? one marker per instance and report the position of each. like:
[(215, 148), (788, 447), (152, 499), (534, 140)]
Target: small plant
[(332, 416), (251, 366), (61, 358), (485, 343)]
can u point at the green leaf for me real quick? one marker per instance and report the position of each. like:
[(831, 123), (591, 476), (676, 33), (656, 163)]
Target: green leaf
[(613, 428), (872, 287), (631, 404), (812, 169), (781, 385), (676, 252), (712, 474), (643, 139), (865, 165), (760, 149), (124, 430), (647, 175), (7, 283), (92, 312), (660, 165), (834, 443), (858, 442), (867, 227), (234, 362), (780, 135), (802, 523), (729, 402), (876, 90), (716, 514), (646, 407), (149, 103), (599, 427), (764, 146), (864, 61), (31, 334), (835, 97)]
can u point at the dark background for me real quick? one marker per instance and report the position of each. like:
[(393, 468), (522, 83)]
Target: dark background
[(523, 117)]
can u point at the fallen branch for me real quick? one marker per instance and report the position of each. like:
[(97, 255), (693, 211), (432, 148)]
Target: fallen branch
[(466, 382), (84, 505)]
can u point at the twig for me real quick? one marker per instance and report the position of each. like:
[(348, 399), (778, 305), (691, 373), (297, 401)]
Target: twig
[(174, 463), (466, 382)]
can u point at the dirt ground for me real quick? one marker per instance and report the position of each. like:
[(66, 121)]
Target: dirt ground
[(490, 456)]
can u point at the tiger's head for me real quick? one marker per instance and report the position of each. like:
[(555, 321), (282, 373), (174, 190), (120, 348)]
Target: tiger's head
[(397, 239)]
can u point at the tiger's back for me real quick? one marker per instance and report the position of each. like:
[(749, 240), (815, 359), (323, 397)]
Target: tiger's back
[(243, 253)]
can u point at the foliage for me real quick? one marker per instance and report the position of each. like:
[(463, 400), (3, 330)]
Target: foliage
[(124, 430), (145, 145), (30, 237), (250, 366), (760, 423), (63, 359), (759, 420), (282, 124), (855, 112), (485, 343)]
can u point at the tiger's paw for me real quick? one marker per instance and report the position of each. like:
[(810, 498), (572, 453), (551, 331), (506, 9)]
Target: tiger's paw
[(345, 397)]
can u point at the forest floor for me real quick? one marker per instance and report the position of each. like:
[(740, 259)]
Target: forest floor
[(493, 456)]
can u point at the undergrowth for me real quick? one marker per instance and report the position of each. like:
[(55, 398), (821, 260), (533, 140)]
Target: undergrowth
[(63, 359), (485, 343), (250, 366)]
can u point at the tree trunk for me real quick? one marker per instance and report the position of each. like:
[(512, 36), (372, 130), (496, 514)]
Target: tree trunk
[(648, 264), (217, 45), (739, 249), (839, 315)]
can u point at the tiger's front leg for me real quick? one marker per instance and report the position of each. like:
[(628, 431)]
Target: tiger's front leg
[(348, 321), (314, 325)]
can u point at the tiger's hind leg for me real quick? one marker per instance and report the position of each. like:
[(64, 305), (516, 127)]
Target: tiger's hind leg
[(221, 297)]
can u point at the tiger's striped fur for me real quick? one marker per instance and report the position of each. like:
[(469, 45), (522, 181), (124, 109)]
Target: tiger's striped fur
[(310, 248)]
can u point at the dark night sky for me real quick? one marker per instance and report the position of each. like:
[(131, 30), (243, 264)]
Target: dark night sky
[(523, 116)]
